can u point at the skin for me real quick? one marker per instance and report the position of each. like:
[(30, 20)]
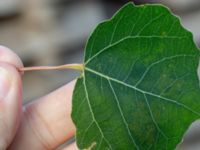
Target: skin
[(44, 124)]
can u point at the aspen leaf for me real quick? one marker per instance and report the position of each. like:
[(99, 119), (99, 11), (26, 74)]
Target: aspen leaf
[(139, 89)]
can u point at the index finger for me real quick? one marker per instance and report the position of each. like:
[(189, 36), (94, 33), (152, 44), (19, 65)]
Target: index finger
[(47, 122)]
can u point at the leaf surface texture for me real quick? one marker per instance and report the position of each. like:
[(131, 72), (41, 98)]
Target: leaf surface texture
[(140, 88)]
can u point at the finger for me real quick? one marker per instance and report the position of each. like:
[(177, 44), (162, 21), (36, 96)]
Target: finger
[(72, 146), (46, 122), (10, 103), (8, 56)]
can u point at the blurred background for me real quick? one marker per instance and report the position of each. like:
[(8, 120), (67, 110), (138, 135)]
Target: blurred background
[(54, 32)]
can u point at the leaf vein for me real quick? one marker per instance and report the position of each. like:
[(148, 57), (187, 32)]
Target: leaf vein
[(146, 25), (144, 92), (130, 37), (157, 62), (122, 115), (93, 117), (153, 119), (83, 137)]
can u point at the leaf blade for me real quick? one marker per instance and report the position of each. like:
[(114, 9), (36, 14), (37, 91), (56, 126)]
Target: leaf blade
[(123, 61)]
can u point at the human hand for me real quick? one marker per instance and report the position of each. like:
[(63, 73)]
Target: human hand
[(43, 124)]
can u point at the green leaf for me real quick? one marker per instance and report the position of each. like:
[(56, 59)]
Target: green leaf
[(140, 88)]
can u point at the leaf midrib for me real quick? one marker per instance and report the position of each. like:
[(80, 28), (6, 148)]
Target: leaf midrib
[(143, 91), (139, 90)]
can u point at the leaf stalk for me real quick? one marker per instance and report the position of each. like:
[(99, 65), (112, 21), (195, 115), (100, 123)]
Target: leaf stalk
[(79, 67)]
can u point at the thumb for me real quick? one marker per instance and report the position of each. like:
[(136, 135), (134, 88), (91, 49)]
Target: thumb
[(10, 103)]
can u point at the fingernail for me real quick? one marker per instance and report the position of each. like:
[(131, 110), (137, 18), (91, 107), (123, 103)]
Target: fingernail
[(5, 82)]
